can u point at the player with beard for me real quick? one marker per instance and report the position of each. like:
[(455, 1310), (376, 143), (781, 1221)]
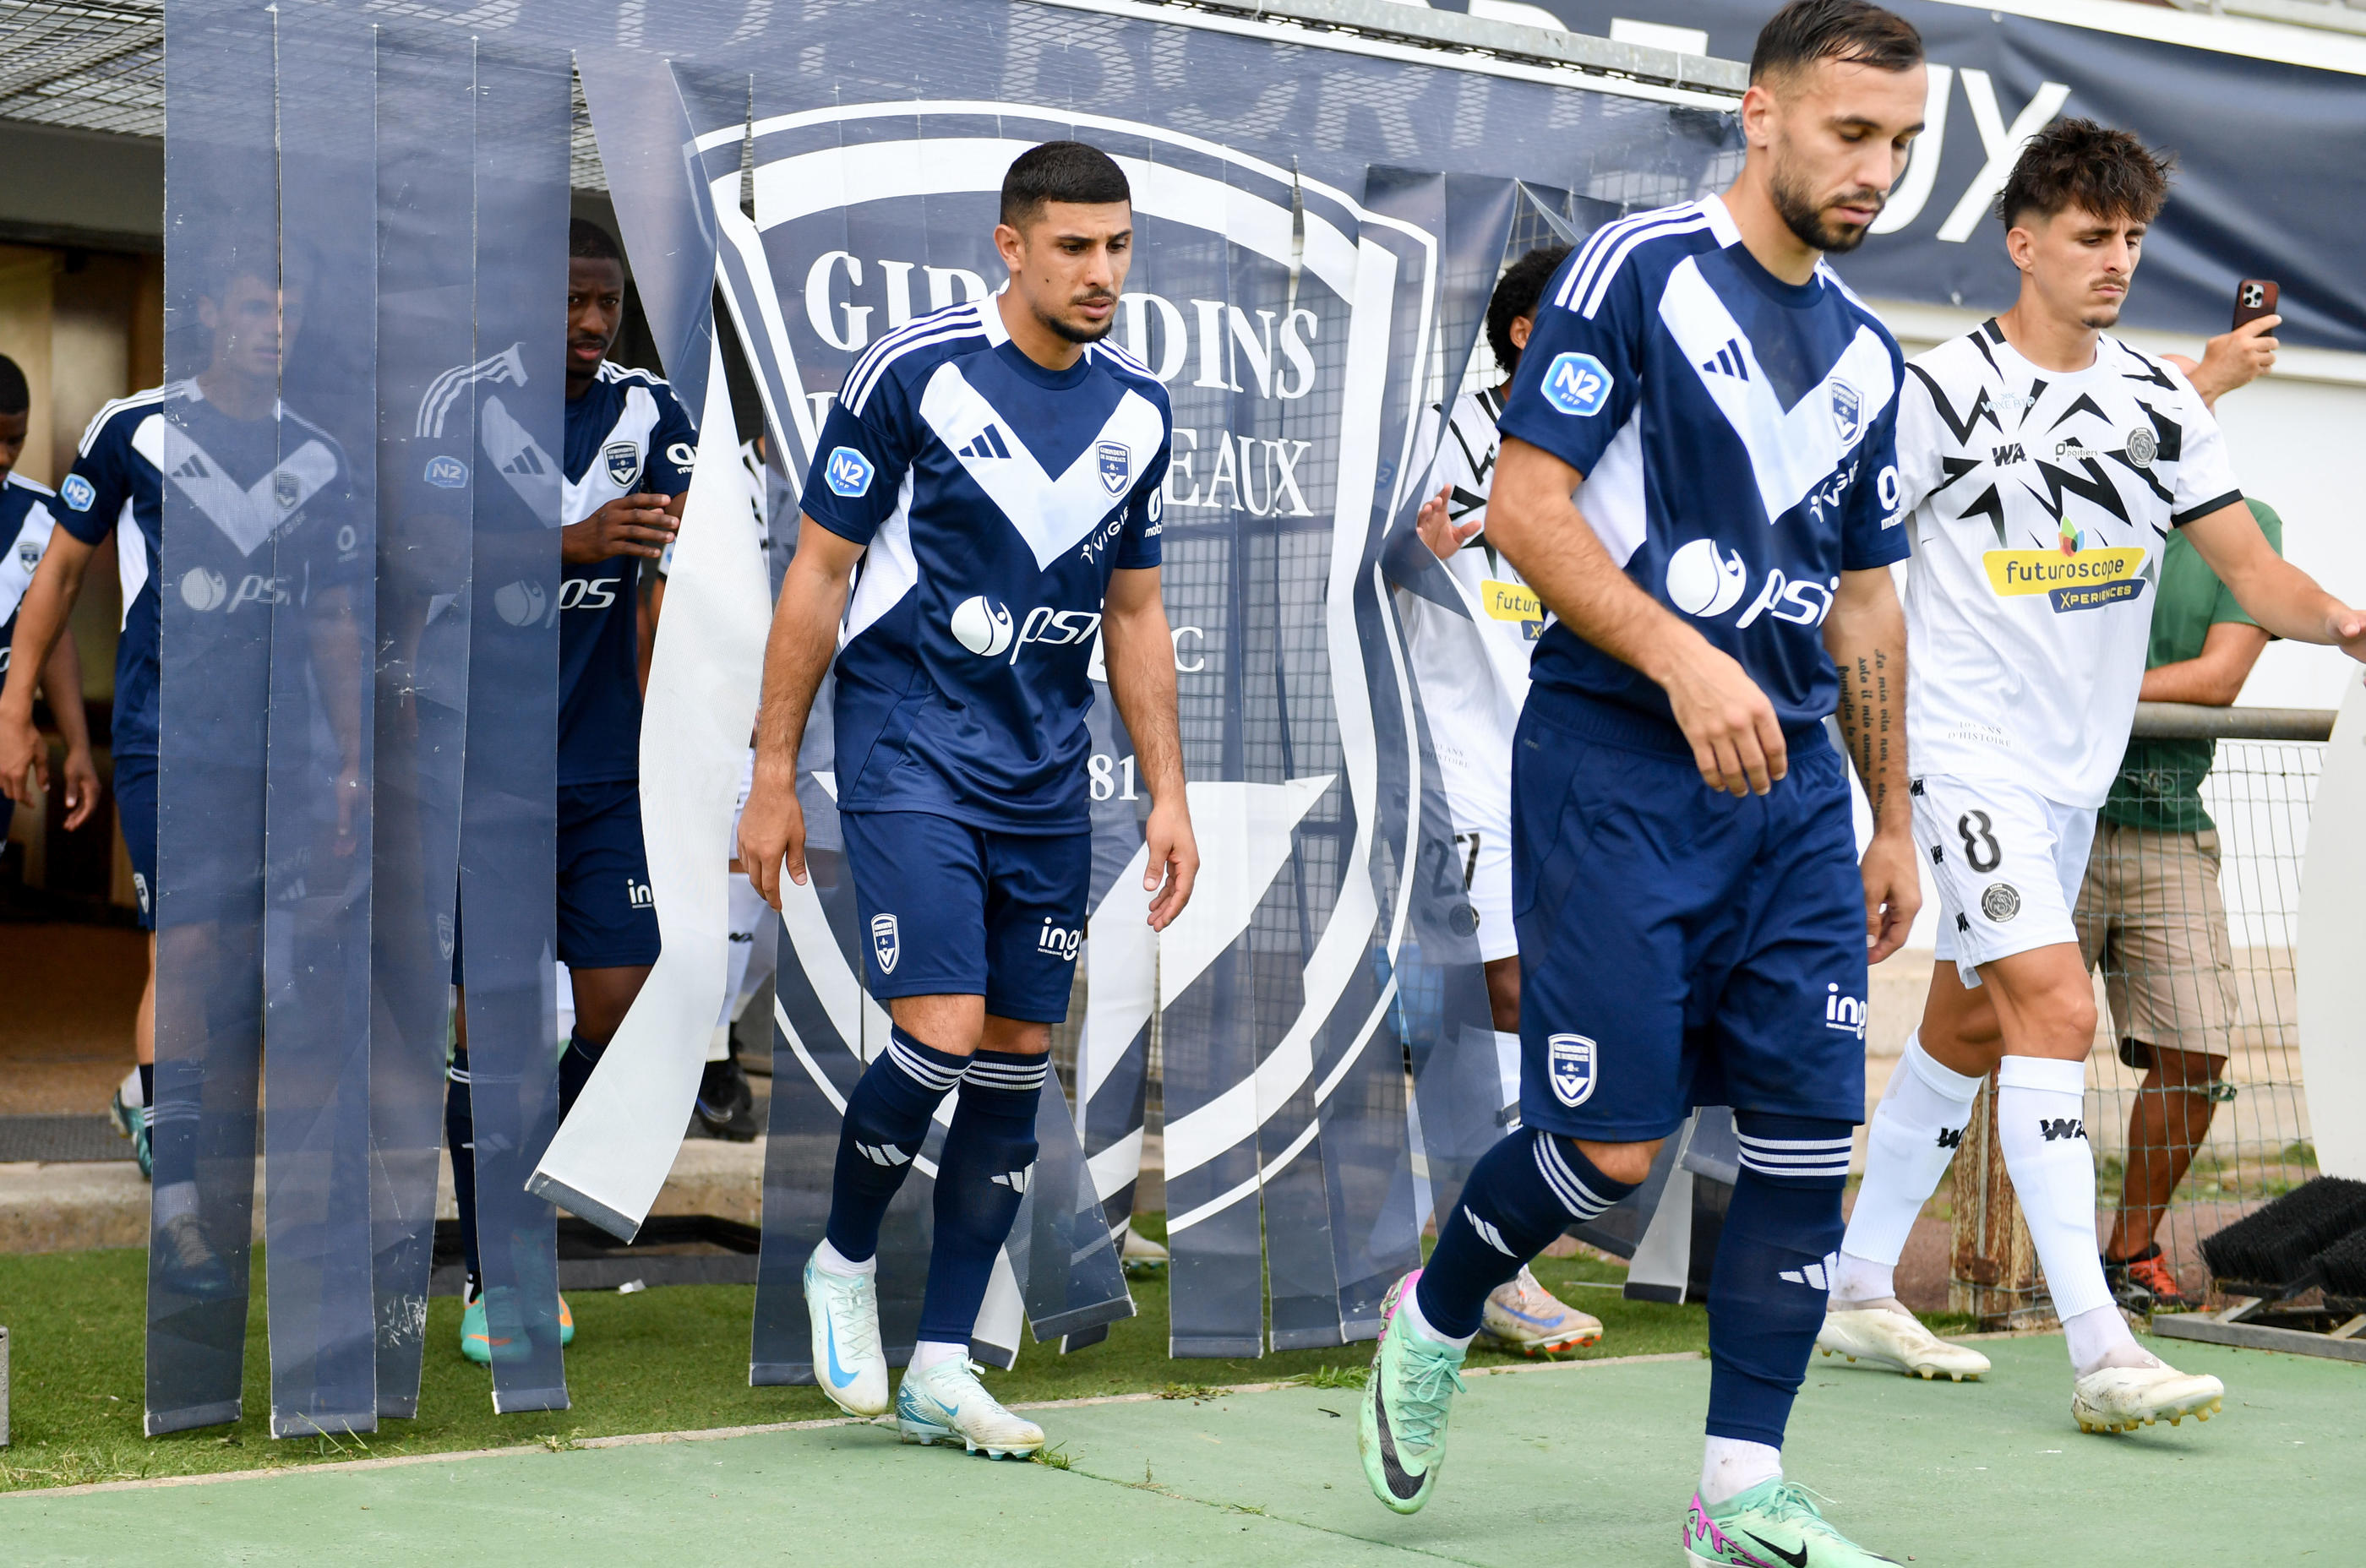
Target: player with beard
[(1696, 479), (994, 469), (2046, 465)]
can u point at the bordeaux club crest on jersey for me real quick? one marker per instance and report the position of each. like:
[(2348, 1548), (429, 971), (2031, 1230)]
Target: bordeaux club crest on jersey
[(1569, 1062), (624, 461), (885, 945), (285, 489), (1848, 412), (1117, 466)]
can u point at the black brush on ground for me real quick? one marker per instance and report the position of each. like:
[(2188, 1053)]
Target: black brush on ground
[(2341, 1269), (2270, 1251)]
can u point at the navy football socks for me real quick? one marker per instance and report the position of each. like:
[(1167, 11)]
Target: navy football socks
[(1774, 1261), (886, 1122), (1523, 1192), (460, 1137), (990, 1150), (575, 1065)]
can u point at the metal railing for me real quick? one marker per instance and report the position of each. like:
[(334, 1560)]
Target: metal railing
[(2191, 933)]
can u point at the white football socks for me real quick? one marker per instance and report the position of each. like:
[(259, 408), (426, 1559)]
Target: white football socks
[(1731, 1466), (830, 1260), (1911, 1139), (1410, 1304), (2040, 1125), (933, 1353)]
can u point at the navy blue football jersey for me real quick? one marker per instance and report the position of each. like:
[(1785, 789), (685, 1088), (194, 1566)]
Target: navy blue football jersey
[(996, 498), (1737, 434), (627, 435), (26, 521), (251, 483)]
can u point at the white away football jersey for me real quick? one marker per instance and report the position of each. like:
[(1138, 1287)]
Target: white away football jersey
[(2040, 503), (1472, 664)]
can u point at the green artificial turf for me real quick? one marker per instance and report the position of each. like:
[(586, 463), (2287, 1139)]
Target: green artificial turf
[(670, 1359)]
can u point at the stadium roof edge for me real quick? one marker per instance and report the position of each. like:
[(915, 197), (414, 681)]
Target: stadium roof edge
[(1416, 23)]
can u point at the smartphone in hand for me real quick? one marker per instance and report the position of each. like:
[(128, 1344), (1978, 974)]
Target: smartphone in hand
[(2254, 298)]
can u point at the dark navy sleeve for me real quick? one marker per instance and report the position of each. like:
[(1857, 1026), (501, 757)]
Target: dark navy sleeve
[(1872, 522), (860, 460), (1139, 546), (92, 497), (673, 447), (1580, 376)]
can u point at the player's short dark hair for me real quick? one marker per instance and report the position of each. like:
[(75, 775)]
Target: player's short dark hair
[(1060, 171), (587, 241), (1852, 32), (1516, 293), (2096, 168), (16, 398)]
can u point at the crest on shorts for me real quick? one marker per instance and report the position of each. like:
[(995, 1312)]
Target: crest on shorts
[(883, 945), (2000, 902), (624, 461), (1569, 1062)]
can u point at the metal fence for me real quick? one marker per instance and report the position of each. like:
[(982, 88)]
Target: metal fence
[(2188, 919)]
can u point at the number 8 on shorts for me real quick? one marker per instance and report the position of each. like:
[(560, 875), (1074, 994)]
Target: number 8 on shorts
[(2008, 861)]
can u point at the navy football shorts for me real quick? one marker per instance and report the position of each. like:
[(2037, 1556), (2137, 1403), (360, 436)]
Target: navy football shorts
[(951, 910), (1679, 946), (219, 872), (607, 918)]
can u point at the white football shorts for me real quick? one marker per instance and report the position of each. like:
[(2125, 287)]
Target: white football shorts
[(2009, 863)]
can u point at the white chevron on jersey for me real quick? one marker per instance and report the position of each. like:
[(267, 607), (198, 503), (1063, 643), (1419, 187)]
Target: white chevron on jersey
[(1051, 514), (1791, 450), (247, 515)]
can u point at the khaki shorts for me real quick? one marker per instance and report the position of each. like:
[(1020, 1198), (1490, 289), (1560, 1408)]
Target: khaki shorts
[(2150, 913)]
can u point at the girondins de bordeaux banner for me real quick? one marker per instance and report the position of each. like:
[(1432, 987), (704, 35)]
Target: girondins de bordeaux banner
[(2269, 179)]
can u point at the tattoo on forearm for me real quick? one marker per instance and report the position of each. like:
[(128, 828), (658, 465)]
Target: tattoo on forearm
[(1866, 723)]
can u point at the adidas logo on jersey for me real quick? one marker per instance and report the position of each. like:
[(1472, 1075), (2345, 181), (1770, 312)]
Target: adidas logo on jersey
[(525, 461), (1488, 1234), (1728, 361), (988, 444), (886, 1154), (194, 469), (2058, 1128)]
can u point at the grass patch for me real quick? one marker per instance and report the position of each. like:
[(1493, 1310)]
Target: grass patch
[(673, 1359)]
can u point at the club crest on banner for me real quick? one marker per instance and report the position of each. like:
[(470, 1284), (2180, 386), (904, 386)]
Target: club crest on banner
[(1569, 1062)]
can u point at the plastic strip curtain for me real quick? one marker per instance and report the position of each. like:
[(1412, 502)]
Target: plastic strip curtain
[(610, 1156), (318, 861), (1464, 1097), (428, 474), (508, 832), (212, 593)]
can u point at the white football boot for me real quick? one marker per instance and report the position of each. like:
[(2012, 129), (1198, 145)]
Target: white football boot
[(2120, 1399), (1524, 1316), (1895, 1338), (946, 1403), (844, 1310)]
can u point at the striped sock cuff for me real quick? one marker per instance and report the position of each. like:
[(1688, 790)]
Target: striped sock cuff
[(1582, 1196), (1008, 1071), (1798, 1159), (932, 1069)]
